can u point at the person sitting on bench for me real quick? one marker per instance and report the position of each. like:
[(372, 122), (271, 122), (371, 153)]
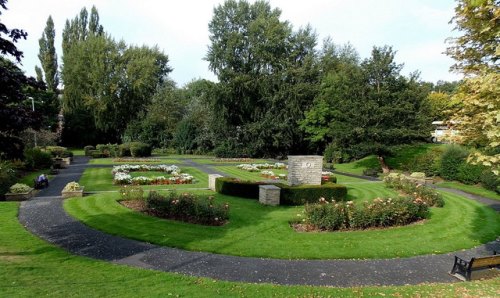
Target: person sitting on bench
[(42, 181)]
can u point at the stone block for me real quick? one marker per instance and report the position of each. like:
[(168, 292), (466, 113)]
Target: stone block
[(269, 195), (305, 169), (211, 180)]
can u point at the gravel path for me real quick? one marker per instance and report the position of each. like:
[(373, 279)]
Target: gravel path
[(44, 216)]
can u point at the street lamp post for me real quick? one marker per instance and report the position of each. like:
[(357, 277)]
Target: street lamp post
[(33, 106)]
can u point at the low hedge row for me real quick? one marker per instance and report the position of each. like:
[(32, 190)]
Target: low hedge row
[(289, 195), (134, 149)]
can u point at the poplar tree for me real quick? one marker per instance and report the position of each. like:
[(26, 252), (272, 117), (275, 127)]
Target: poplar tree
[(48, 57)]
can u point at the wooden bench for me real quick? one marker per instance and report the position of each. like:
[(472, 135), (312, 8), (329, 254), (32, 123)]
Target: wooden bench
[(463, 269)]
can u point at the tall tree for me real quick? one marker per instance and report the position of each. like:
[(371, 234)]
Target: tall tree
[(264, 71), (15, 112), (478, 46), (48, 57), (368, 108), (476, 53)]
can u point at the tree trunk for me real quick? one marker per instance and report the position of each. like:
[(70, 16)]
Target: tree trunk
[(383, 165)]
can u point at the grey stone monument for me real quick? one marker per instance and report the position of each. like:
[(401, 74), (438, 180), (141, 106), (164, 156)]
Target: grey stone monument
[(305, 169)]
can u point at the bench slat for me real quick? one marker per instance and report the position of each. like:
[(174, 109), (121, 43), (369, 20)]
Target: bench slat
[(485, 262)]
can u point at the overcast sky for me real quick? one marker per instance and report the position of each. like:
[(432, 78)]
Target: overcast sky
[(416, 29)]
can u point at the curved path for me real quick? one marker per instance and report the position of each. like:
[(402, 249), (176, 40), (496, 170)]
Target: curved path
[(44, 216)]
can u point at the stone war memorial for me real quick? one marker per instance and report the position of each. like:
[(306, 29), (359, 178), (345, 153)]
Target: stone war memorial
[(302, 169)]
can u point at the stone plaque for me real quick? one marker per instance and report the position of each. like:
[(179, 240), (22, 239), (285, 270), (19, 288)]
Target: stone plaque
[(305, 169)]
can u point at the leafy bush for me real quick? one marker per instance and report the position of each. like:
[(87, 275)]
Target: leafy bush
[(373, 172), (490, 181), (299, 195), (138, 149), (35, 158), (330, 154), (58, 151), (19, 188), (428, 195), (72, 186), (452, 158), (238, 188), (187, 207), (96, 154), (124, 150), (428, 163), (7, 176), (88, 149), (469, 174), (132, 193), (333, 216)]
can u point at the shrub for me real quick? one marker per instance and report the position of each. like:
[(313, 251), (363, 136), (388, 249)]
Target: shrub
[(452, 158), (430, 196), (428, 163), (138, 149), (187, 207), (96, 154), (124, 150), (299, 195), (35, 158), (19, 188), (72, 186), (333, 216), (372, 172), (469, 174), (58, 151), (108, 150), (490, 181), (330, 154), (238, 188), (131, 193), (7, 176), (88, 149)]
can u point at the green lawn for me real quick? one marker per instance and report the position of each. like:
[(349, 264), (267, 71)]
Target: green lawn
[(29, 177), (233, 171), (101, 179), (472, 189), (252, 225), (212, 161), (29, 267)]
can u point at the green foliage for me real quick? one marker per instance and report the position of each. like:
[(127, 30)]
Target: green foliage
[(87, 149), (48, 57), (7, 176), (302, 194), (35, 158), (330, 154), (138, 149), (265, 87), (332, 216), (453, 156), (469, 174), (368, 108), (490, 181), (238, 188), (58, 151), (428, 162), (106, 81), (417, 191), (187, 207), (185, 136), (19, 188)]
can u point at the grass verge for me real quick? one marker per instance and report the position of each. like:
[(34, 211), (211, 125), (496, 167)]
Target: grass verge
[(472, 189), (251, 224), (29, 267)]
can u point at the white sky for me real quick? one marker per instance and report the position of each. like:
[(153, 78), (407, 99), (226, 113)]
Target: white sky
[(417, 29)]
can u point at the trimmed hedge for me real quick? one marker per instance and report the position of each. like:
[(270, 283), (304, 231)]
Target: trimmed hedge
[(238, 188), (289, 195), (302, 194)]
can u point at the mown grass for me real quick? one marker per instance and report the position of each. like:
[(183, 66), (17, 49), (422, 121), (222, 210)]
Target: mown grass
[(472, 189), (253, 225), (29, 267), (30, 176), (212, 161), (233, 171), (101, 179)]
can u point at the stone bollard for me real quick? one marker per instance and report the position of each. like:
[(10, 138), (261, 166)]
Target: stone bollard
[(211, 180), (269, 195)]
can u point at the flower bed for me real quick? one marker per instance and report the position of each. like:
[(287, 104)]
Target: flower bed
[(332, 216), (121, 175), (187, 207), (400, 182), (271, 175), (261, 166), (131, 159)]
